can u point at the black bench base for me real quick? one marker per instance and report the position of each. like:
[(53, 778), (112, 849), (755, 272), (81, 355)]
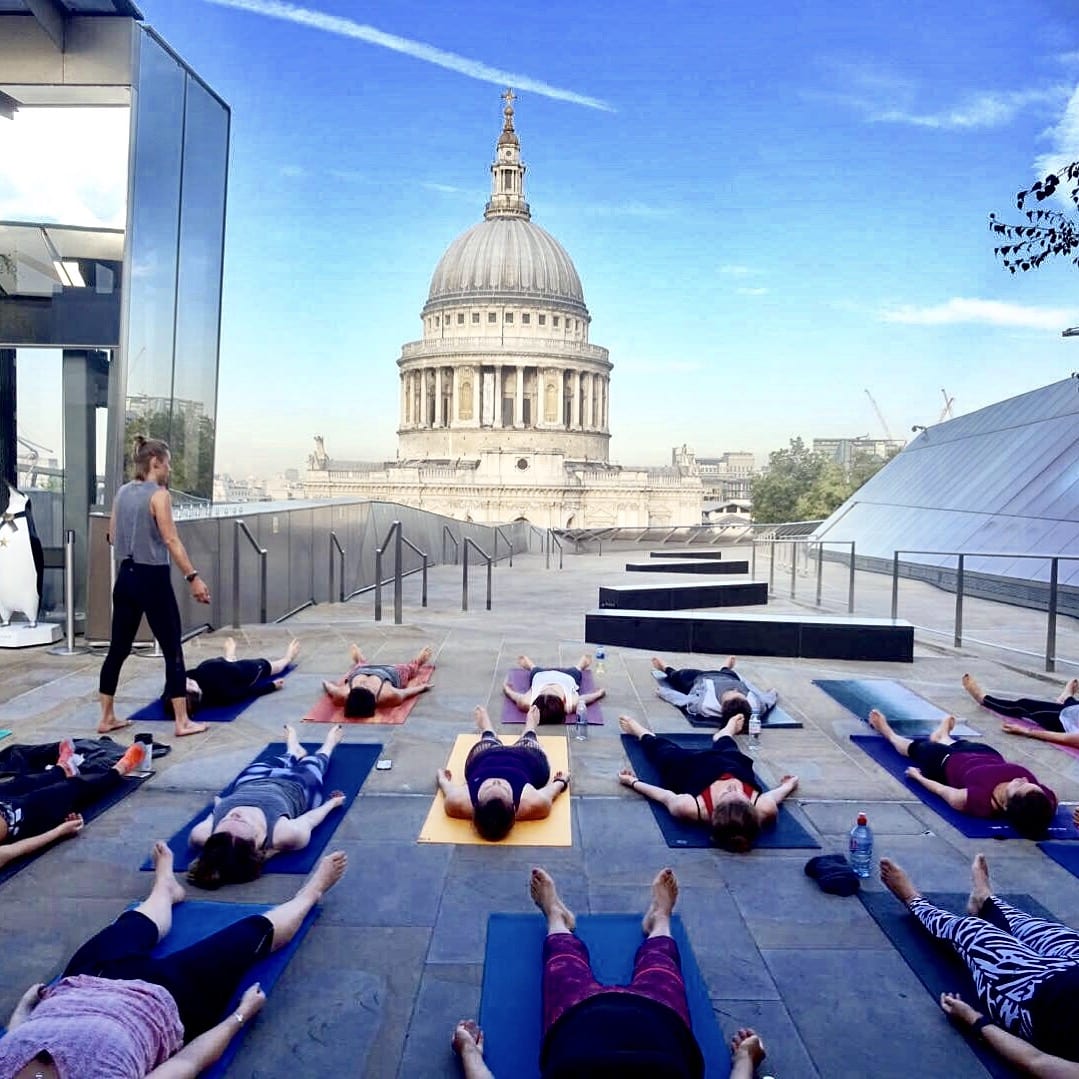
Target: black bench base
[(684, 553), (688, 565), (676, 597)]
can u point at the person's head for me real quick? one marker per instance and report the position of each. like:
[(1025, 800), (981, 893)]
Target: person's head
[(1028, 809), (734, 704), (151, 455), (193, 695), (551, 708), (360, 703), (226, 859), (494, 812), (734, 824)]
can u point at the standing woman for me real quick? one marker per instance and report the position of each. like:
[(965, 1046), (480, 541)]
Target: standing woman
[(143, 535)]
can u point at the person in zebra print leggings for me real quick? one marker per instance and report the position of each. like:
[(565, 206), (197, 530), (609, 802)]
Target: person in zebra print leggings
[(1025, 971)]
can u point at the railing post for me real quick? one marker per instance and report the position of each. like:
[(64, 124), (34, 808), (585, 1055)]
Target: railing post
[(1051, 630), (423, 597), (959, 602), (548, 545), (772, 569), (490, 568), (398, 583), (895, 585), (794, 567), (752, 557), (263, 572), (464, 579), (378, 584), (850, 586), (236, 574), (68, 648), (820, 567)]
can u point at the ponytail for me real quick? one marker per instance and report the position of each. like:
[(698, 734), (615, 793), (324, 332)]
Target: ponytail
[(144, 450)]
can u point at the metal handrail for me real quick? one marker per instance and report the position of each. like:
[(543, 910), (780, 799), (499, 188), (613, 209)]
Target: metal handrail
[(263, 555), (534, 530), (394, 533), (335, 542), (552, 538), (464, 583), (447, 534), (499, 534), (1054, 561), (296, 610), (423, 554)]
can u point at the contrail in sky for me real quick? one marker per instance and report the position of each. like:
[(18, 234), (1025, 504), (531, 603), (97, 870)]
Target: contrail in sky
[(474, 69)]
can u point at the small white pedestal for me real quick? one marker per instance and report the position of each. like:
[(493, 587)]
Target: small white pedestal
[(23, 635)]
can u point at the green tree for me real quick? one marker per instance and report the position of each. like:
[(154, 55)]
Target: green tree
[(1046, 232)]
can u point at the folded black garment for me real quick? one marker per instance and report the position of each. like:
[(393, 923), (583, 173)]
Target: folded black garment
[(833, 873)]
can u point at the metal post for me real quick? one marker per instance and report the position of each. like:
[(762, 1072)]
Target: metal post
[(794, 567), (236, 575), (423, 596), (263, 573), (895, 585), (68, 648), (490, 567), (464, 581), (820, 568), (398, 583), (548, 549), (959, 602), (378, 584), (850, 587), (772, 570), (1051, 631), (753, 557)]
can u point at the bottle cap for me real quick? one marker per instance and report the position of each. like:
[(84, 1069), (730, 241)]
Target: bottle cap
[(862, 818)]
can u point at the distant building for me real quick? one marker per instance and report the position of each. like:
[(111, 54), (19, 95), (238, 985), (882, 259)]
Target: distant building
[(727, 477), (504, 400), (843, 451)]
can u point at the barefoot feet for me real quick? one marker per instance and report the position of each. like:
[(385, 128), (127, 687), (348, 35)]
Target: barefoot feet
[(292, 651), (333, 739), (185, 726), (980, 891), (943, 733), (292, 742), (425, 656), (629, 725), (973, 688), (230, 649), (109, 722), (560, 919), (895, 879), (357, 655), (878, 721), (659, 665), (163, 874), (327, 873), (657, 919), (524, 662), (483, 720)]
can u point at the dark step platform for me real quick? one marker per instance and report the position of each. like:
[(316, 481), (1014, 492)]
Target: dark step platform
[(702, 552), (687, 565), (675, 597), (749, 634)]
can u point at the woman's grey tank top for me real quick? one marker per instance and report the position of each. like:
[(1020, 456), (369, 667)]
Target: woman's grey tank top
[(137, 536)]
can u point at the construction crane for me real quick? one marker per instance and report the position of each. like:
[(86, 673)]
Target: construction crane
[(946, 411), (880, 416)]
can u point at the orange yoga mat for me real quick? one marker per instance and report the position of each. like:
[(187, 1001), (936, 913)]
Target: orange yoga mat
[(327, 710)]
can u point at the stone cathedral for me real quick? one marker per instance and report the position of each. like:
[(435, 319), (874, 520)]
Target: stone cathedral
[(504, 400)]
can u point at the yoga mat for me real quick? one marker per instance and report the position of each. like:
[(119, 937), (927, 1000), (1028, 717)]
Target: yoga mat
[(875, 747), (327, 710), (4, 734), (934, 963), (1072, 751), (775, 718), (129, 786), (1066, 855), (555, 831), (193, 920), (348, 769), (154, 712), (510, 1006), (520, 681), (909, 714), (786, 834)]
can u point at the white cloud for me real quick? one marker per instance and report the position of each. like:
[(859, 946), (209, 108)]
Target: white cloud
[(980, 110), (474, 69), (37, 179), (751, 291), (293, 171), (444, 189), (985, 312), (1064, 139)]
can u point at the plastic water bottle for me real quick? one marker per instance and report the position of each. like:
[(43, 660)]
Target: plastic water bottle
[(601, 662), (861, 847), (581, 733), (754, 733)]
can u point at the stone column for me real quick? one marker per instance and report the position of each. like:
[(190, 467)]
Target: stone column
[(422, 375), (519, 399), (455, 397), (438, 396), (602, 404), (589, 401), (498, 395), (404, 397), (575, 404)]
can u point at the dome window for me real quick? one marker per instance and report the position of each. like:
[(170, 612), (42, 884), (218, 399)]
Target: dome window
[(460, 318), (491, 316), (526, 319), (509, 318), (522, 463), (543, 320), (554, 321), (475, 316)]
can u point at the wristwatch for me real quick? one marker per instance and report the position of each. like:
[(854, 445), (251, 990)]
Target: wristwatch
[(189, 577)]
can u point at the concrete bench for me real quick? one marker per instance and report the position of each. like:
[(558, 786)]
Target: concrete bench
[(702, 552), (674, 597), (750, 634), (687, 565)]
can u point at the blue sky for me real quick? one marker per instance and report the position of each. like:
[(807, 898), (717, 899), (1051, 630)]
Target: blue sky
[(770, 211)]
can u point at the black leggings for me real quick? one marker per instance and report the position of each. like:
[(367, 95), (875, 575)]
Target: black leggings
[(690, 771), (930, 757), (202, 978), (144, 590), (1045, 713), (40, 802)]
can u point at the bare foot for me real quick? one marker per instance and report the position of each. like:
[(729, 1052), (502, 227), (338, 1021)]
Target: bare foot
[(483, 720), (944, 729), (425, 656), (584, 663), (230, 648), (162, 859), (357, 655), (878, 721), (1071, 689), (895, 879), (292, 651), (980, 891), (735, 725), (973, 688), (545, 895), (292, 742), (664, 896), (731, 661), (337, 732), (182, 730), (629, 725), (659, 664), (328, 872), (111, 723), (524, 662)]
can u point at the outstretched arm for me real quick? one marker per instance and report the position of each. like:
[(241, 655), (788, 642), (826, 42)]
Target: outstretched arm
[(391, 695), (536, 804), (683, 806), (296, 834), (468, 1045), (595, 695), (768, 803), (33, 843), (456, 802), (202, 831), (1061, 739), (519, 699), (955, 797)]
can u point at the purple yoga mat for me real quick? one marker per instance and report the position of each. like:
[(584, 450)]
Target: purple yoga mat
[(520, 680)]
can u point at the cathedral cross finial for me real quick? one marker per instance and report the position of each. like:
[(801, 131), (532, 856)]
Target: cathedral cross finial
[(509, 97)]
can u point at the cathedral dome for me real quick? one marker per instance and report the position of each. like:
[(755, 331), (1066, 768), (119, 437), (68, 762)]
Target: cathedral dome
[(506, 258)]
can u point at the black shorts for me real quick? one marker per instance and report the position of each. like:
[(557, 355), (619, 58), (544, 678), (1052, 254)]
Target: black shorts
[(930, 757)]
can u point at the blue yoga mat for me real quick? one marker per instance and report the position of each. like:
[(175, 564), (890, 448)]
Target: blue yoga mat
[(348, 769), (775, 717), (786, 834), (935, 963), (95, 809), (510, 1008), (1066, 855), (154, 712), (874, 746), (908, 713)]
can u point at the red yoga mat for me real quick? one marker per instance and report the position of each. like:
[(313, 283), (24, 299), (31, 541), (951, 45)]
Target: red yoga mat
[(327, 710)]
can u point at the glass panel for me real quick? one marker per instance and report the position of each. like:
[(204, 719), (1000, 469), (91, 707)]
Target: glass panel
[(202, 219)]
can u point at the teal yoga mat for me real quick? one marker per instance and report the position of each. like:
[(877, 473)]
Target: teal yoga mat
[(510, 1008), (909, 714)]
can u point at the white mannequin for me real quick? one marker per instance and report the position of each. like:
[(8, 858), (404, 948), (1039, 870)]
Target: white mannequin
[(18, 574)]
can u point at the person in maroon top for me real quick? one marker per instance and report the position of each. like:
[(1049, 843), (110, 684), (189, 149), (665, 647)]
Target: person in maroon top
[(974, 778)]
